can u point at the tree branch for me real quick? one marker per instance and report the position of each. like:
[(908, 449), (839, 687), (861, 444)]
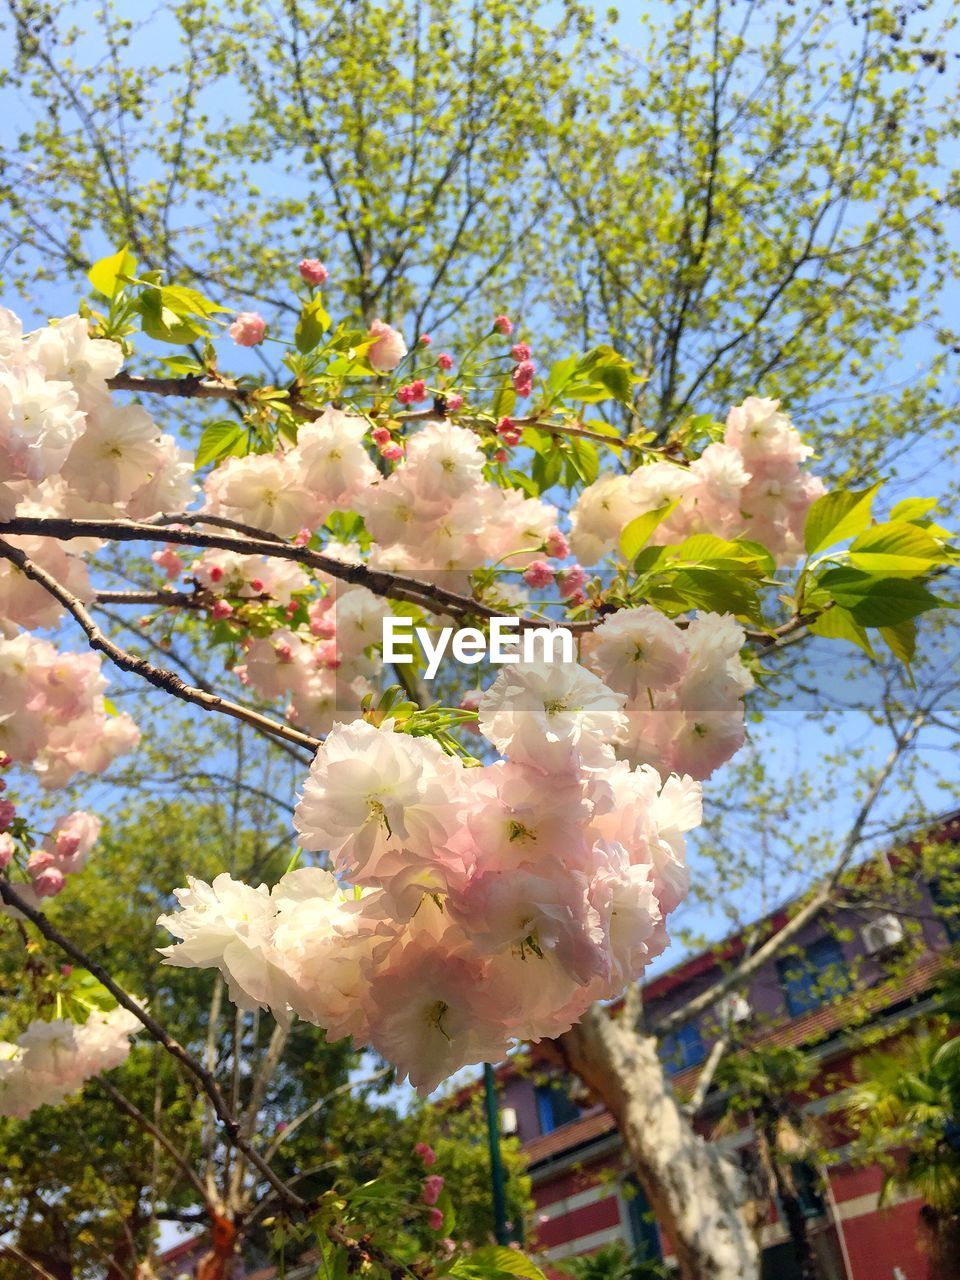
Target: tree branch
[(159, 677), (158, 1033)]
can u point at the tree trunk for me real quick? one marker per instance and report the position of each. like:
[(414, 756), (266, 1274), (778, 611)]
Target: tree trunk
[(696, 1194)]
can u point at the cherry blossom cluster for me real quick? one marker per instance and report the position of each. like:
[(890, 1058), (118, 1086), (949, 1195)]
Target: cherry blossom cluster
[(53, 715), (51, 1060), (61, 853), (750, 485), (465, 907), (684, 685), (68, 449)]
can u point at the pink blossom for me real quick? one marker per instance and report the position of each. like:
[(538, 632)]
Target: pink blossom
[(248, 329), (539, 574), (556, 545), (313, 272), (388, 349), (426, 1153), (523, 377), (8, 811), (570, 581), (504, 325), (520, 352), (7, 849), (445, 361), (48, 882), (392, 452), (222, 609), (435, 1219), (453, 403), (168, 561), (282, 1126), (302, 539), (380, 436), (432, 1186), (508, 431), (412, 392)]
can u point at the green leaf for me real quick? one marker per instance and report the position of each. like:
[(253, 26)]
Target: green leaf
[(896, 548), (901, 640), (839, 624), (837, 516), (105, 274), (913, 508), (505, 400), (496, 1260), (637, 533), (312, 325), (878, 602), (218, 440), (583, 459)]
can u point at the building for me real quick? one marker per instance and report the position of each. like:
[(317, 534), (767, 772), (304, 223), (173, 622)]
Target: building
[(585, 1198)]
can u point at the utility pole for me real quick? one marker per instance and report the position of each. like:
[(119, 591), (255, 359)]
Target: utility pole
[(497, 1182)]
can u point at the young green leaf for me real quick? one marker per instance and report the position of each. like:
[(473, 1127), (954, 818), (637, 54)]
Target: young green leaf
[(837, 516)]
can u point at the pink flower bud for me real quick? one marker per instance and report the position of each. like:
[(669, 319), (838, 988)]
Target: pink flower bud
[(388, 349), (500, 455), (5, 760), (282, 1126), (538, 575), (303, 538), (222, 609), (445, 361), (66, 970), (520, 352), (557, 545), (215, 573), (312, 271), (570, 581), (8, 811), (8, 847), (435, 1219), (508, 431), (453, 403), (392, 452), (423, 1149), (380, 436), (504, 325), (248, 329), (523, 378), (432, 1186), (424, 339)]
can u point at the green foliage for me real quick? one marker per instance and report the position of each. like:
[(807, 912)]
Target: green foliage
[(613, 1262)]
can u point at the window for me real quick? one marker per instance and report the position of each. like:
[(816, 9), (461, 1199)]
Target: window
[(814, 977), (682, 1049), (555, 1106), (644, 1233)]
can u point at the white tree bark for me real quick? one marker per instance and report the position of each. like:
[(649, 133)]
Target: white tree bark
[(698, 1195)]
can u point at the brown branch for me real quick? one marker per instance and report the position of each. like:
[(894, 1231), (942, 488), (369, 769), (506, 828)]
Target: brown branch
[(379, 581), (191, 387), (159, 677), (136, 1115), (158, 1033)]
